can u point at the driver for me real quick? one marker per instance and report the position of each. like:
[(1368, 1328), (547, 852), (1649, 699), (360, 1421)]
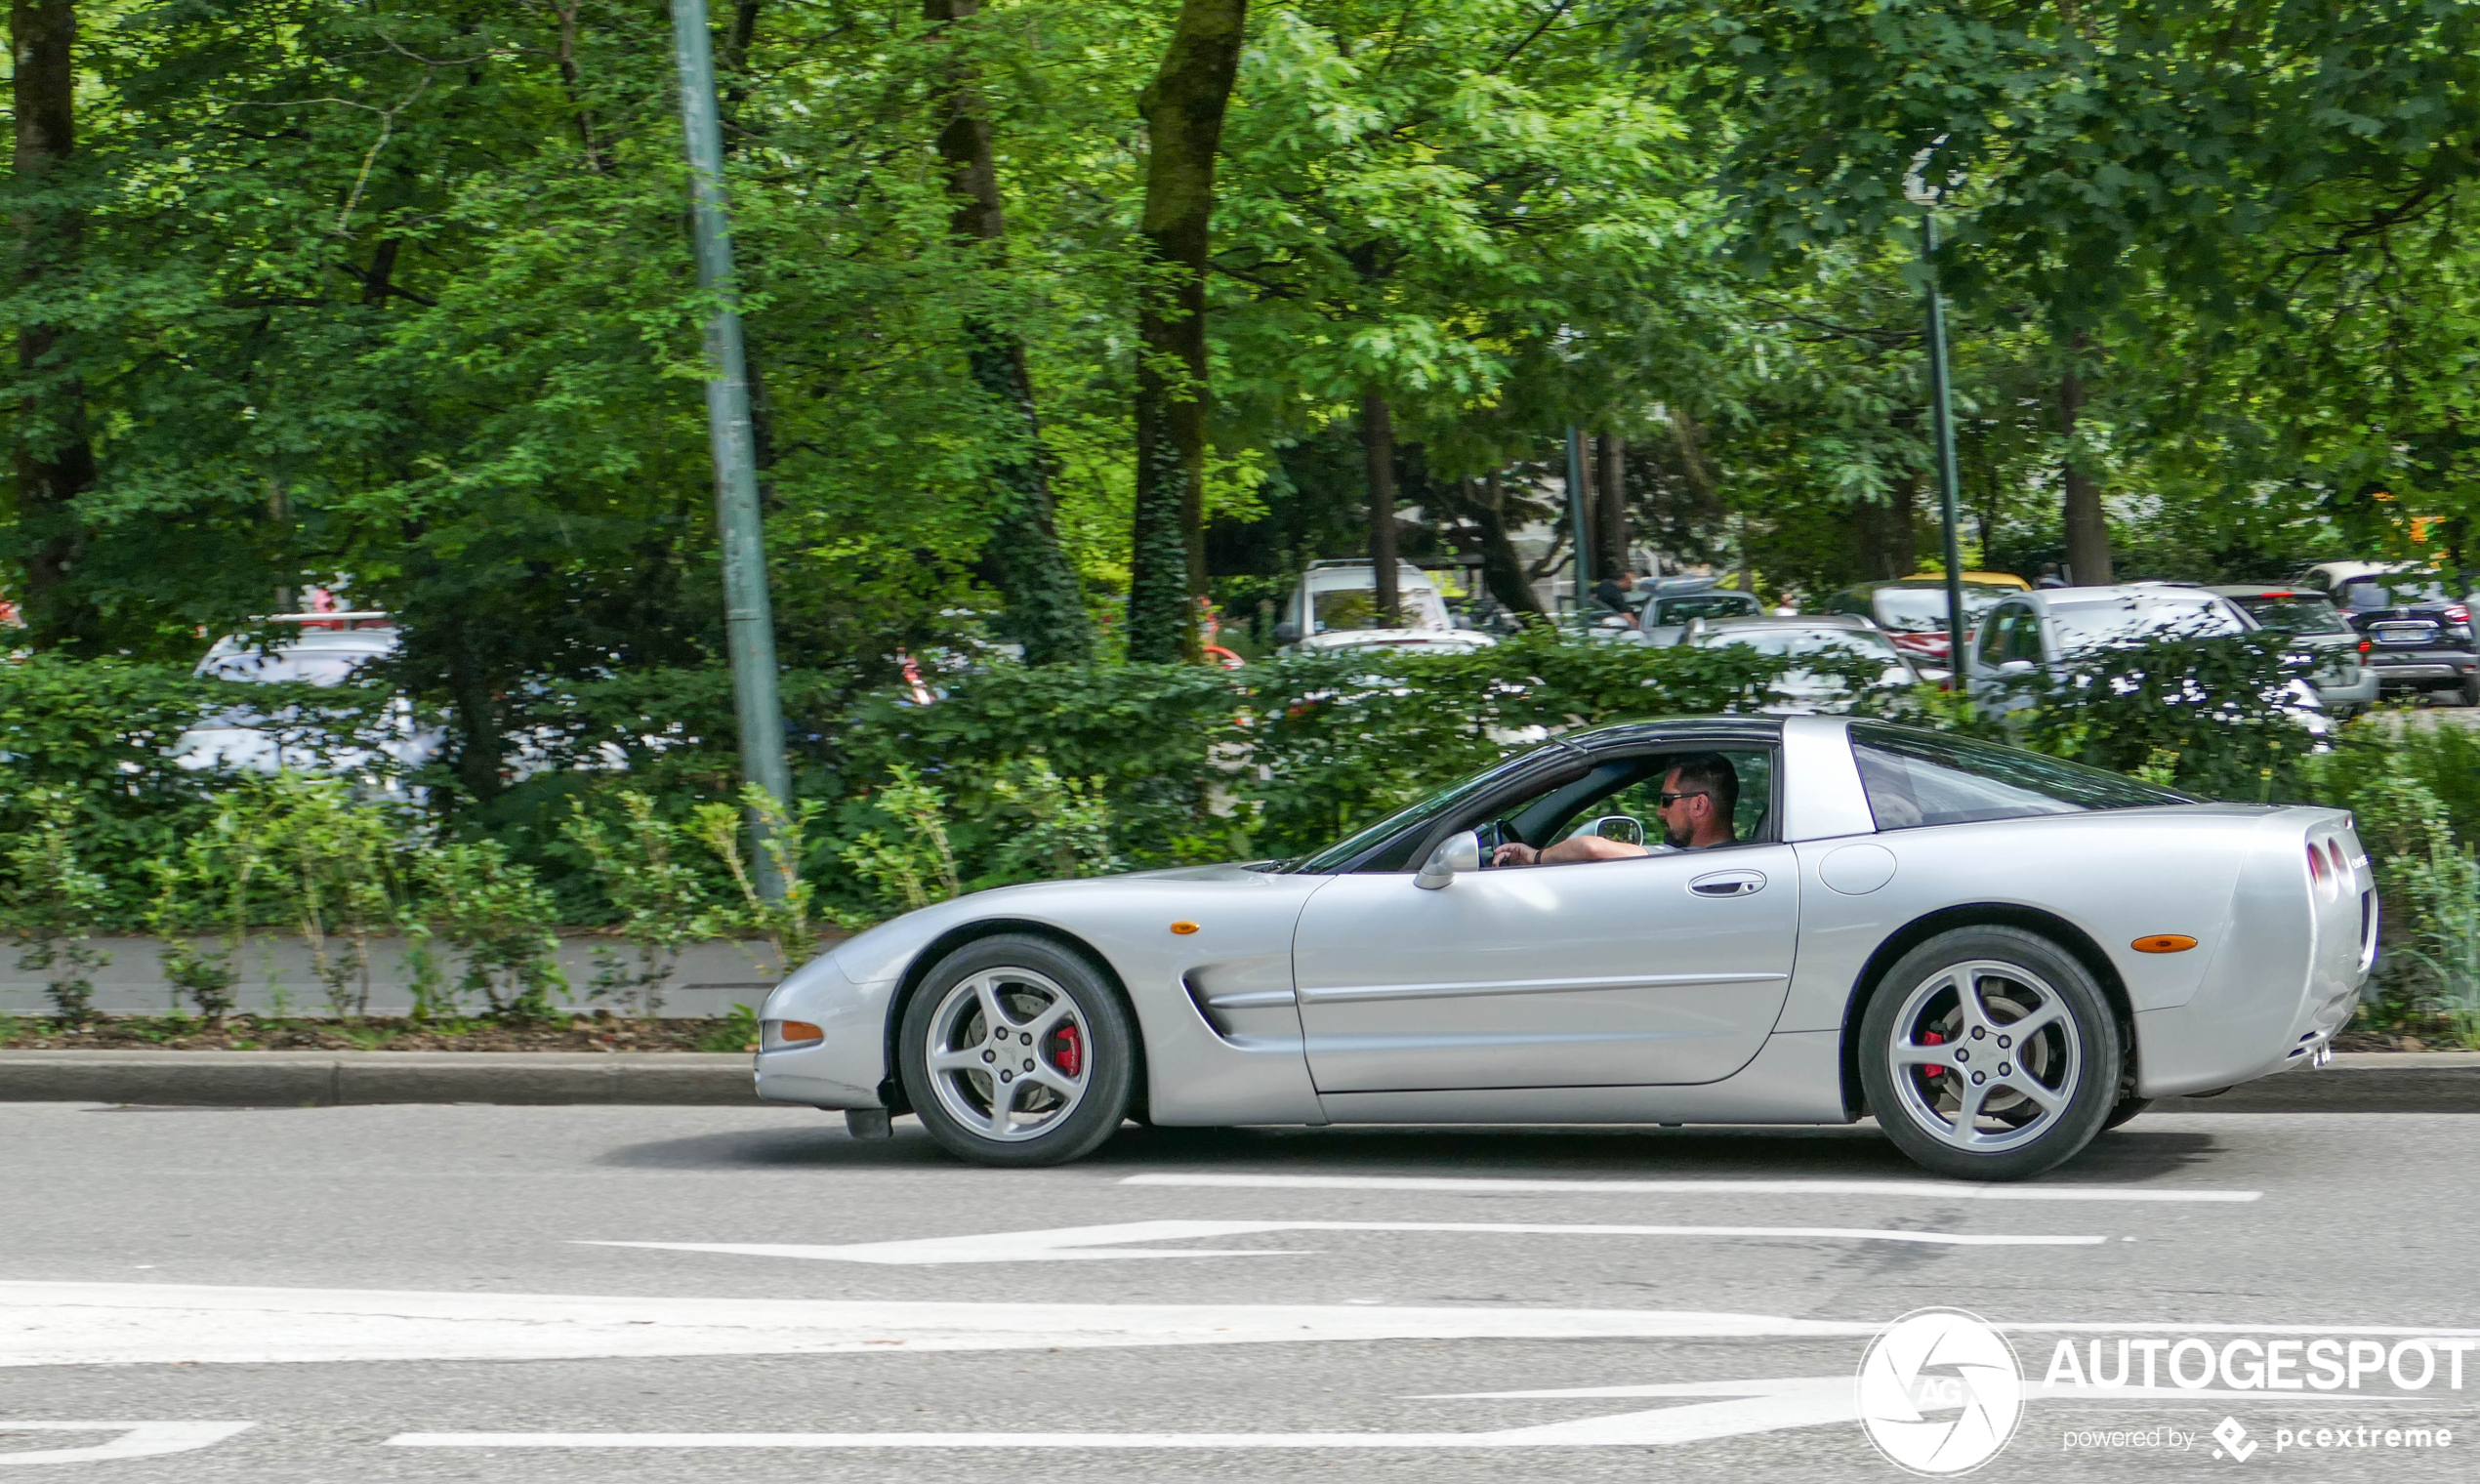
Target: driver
[(1698, 795)]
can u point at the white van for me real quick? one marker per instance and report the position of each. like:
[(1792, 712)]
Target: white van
[(1338, 596)]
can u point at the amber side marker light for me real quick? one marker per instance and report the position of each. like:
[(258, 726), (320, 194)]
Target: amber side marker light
[(2165, 943), (798, 1030), (1184, 928)]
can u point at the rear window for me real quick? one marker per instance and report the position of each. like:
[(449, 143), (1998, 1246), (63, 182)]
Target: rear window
[(1678, 611), (2099, 626), (2294, 613), (1918, 779)]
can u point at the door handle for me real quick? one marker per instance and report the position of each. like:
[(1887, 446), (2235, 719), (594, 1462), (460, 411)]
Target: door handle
[(1729, 883)]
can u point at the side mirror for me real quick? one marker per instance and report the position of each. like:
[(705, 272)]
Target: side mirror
[(1456, 853), (1287, 633), (1627, 829), (2016, 667)]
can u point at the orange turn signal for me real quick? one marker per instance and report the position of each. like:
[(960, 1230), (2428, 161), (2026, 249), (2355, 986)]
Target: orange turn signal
[(1184, 928), (791, 1031), (2163, 942)]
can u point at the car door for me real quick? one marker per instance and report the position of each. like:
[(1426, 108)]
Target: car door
[(1669, 968)]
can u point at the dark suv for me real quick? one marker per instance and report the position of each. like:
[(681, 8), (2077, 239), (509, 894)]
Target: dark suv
[(2419, 632)]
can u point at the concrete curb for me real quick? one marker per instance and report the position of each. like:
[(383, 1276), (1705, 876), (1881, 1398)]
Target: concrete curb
[(2356, 1082), (328, 1079)]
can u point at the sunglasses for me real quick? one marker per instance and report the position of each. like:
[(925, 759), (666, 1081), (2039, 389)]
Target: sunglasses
[(1668, 800)]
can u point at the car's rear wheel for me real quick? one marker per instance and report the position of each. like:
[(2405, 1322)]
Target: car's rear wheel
[(1990, 1054), (1016, 1051), (2471, 690), (2126, 1111)]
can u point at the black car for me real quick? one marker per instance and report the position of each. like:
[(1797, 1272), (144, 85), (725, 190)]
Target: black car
[(2419, 632)]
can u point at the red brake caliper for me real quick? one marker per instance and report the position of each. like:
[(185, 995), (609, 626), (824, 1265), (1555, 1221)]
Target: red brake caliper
[(1931, 1037), (1067, 1052)]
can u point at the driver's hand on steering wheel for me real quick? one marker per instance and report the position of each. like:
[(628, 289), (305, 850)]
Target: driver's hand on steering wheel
[(1515, 852)]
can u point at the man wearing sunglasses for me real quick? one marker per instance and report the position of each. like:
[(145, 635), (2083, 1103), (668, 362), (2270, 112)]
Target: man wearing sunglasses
[(1700, 792)]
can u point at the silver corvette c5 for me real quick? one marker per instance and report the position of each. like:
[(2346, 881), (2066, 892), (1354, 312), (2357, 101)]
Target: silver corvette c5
[(1996, 954)]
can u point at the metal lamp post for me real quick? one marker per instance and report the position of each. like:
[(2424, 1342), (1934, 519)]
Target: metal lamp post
[(1942, 419), (748, 621)]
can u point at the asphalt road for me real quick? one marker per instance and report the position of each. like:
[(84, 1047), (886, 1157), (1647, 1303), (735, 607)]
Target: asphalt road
[(447, 1293)]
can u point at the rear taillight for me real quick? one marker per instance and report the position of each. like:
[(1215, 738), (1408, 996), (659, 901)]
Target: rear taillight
[(2365, 645), (2334, 852), (2458, 613), (2318, 871)]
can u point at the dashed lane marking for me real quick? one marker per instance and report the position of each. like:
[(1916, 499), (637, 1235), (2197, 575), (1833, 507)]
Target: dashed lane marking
[(136, 1440)]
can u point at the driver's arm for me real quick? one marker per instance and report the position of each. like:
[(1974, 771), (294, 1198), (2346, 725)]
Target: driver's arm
[(1567, 852)]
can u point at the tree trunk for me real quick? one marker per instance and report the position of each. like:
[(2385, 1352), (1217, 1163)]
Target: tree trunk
[(53, 458), (1183, 108), (1882, 532), (1378, 452), (1046, 608), (1500, 567), (2087, 525), (1610, 498)]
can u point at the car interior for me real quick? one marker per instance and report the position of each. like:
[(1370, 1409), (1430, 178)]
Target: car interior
[(1621, 788)]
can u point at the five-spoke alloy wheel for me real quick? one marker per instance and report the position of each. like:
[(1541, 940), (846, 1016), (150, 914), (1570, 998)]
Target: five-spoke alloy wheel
[(1990, 1054), (1016, 1051)]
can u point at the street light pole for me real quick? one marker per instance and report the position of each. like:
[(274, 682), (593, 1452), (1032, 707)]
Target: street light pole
[(1576, 517), (748, 622), (1942, 421)]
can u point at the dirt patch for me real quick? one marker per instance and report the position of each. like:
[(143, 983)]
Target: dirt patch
[(257, 1032)]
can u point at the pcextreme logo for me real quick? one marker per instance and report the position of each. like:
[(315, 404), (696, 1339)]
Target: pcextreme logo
[(1941, 1392)]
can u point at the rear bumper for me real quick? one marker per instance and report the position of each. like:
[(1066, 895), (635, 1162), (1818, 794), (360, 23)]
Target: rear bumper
[(2421, 667)]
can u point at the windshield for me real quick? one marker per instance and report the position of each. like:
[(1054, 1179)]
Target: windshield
[(1340, 854), (1678, 611), (2098, 625), (2294, 613), (287, 667), (1357, 608), (2365, 594), (1915, 609), (1921, 778), (1798, 641)]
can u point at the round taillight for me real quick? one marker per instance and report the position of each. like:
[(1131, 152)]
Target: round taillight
[(2317, 867), (2342, 866)]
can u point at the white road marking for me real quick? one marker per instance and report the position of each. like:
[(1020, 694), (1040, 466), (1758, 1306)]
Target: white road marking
[(1098, 1243), (1753, 1406), (1918, 1190), (137, 1440), (162, 1323)]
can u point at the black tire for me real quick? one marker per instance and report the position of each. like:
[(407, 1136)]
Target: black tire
[(2072, 1054), (2471, 690), (2126, 1110), (1080, 1064)]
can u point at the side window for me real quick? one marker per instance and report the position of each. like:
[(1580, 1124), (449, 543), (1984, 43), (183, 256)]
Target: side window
[(2023, 637), (1992, 634), (1920, 778), (1632, 787)]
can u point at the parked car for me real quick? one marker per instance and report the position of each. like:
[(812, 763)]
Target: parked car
[(1663, 618), (2057, 632), (1913, 611), (1976, 580), (1336, 596), (2418, 623), (2344, 682), (1998, 954), (325, 649), (1803, 692)]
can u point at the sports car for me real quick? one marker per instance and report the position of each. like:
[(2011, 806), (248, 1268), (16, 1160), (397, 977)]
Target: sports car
[(1801, 920)]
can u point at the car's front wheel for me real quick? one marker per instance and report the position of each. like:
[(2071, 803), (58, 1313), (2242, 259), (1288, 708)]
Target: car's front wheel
[(1016, 1051), (1990, 1054)]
